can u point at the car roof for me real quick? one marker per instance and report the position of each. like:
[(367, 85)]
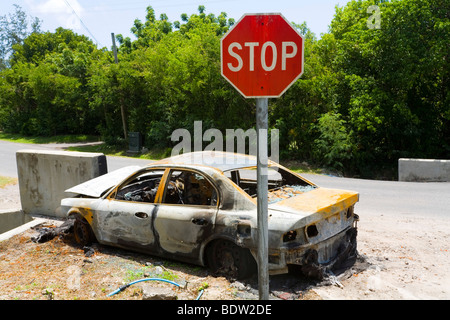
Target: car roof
[(224, 161)]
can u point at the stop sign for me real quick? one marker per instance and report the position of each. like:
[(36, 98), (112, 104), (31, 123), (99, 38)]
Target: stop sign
[(262, 55)]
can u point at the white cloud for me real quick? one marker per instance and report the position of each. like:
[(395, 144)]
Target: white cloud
[(59, 11)]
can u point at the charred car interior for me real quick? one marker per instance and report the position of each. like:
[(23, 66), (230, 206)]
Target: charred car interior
[(183, 187), (141, 188), (281, 183)]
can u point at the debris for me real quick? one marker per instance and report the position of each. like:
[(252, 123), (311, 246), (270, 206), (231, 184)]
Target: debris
[(47, 234), (285, 296), (287, 191), (48, 292), (158, 271), (88, 251), (333, 279)]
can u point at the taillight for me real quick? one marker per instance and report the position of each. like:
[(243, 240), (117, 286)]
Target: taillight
[(289, 236), (311, 231)]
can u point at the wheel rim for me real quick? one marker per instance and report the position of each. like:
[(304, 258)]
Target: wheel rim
[(227, 258), (81, 232)]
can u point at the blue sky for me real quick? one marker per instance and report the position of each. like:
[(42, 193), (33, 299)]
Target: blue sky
[(99, 18)]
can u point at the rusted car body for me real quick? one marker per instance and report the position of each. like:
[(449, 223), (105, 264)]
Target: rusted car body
[(201, 208)]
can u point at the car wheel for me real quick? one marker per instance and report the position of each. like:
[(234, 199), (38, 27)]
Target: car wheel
[(83, 232), (228, 259)]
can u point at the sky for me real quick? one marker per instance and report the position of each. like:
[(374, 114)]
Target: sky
[(97, 19)]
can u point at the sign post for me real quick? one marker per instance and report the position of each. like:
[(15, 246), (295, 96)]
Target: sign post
[(262, 56), (262, 191)]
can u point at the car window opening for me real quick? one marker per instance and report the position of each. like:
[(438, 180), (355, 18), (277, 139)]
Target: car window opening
[(142, 188), (281, 183), (191, 188)]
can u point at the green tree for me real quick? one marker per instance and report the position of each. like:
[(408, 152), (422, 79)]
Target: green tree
[(171, 76), (392, 82), (46, 88), (296, 112), (333, 146), (14, 28)]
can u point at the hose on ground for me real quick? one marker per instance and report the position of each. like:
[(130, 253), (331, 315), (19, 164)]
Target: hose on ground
[(122, 288)]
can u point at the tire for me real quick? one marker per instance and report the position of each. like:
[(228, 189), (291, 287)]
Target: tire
[(83, 232), (226, 258)]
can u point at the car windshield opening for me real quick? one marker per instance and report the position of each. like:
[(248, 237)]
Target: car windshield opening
[(282, 184)]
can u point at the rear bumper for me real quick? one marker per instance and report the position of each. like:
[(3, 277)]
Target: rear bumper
[(316, 259)]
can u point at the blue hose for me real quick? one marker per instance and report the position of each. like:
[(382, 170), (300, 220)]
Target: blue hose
[(200, 294), (150, 279), (141, 280)]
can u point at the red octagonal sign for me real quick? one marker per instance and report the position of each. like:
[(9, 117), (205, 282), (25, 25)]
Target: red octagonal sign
[(262, 55)]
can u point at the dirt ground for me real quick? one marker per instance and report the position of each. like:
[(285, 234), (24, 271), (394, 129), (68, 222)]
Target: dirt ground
[(401, 258)]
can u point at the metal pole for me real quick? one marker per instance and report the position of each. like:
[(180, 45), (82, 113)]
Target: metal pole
[(122, 109), (113, 38), (262, 186)]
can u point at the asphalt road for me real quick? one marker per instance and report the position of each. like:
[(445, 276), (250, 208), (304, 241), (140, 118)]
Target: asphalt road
[(425, 199)]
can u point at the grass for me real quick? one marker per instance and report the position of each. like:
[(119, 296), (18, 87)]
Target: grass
[(149, 272), (303, 167), (203, 286), (117, 151), (5, 181), (44, 140)]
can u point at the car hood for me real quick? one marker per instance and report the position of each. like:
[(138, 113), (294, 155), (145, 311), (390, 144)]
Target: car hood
[(319, 200), (97, 186)]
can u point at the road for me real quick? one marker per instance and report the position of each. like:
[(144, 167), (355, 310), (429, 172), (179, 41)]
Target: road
[(394, 197), (403, 233)]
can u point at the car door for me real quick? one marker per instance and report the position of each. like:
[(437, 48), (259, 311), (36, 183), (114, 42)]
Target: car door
[(186, 214), (125, 217)]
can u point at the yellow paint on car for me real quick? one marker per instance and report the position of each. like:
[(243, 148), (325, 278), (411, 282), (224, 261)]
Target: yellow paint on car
[(326, 201)]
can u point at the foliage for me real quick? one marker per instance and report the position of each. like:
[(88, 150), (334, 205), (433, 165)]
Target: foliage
[(82, 138), (367, 95), (13, 30), (393, 82), (333, 143), (370, 96), (167, 79), (44, 92)]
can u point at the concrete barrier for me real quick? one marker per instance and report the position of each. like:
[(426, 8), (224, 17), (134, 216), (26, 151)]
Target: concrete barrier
[(423, 170), (45, 174), (10, 219), (24, 227)]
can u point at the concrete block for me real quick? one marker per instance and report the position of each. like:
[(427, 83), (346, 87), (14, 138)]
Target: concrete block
[(423, 170), (10, 219), (45, 174)]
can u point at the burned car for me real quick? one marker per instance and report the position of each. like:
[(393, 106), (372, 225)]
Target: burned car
[(201, 208)]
